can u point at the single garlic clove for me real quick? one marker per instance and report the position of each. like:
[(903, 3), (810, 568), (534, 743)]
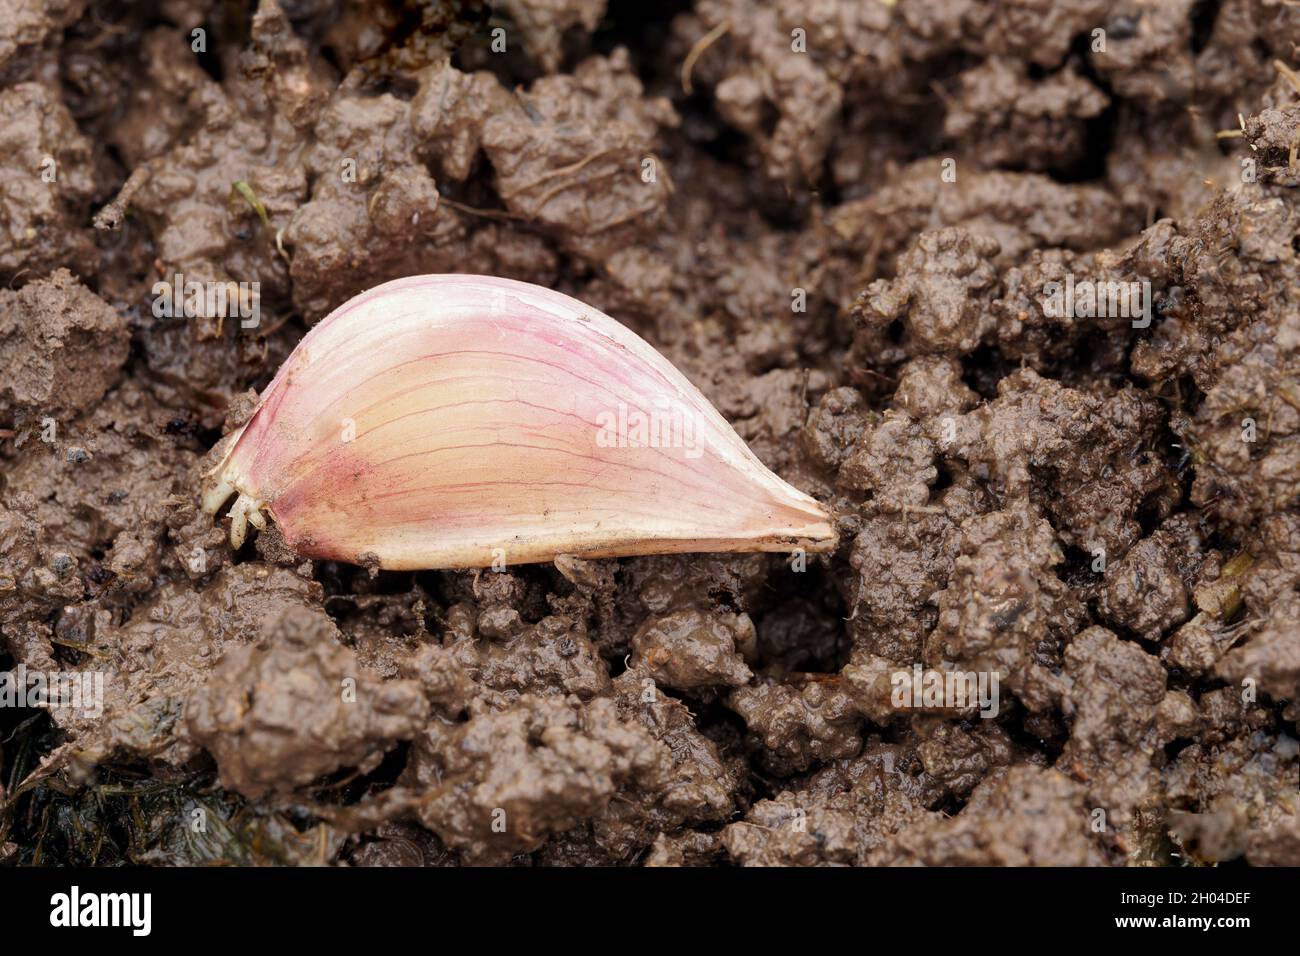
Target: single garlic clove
[(449, 421)]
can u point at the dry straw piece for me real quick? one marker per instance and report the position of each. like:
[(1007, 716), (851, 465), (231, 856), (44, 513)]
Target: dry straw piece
[(452, 421)]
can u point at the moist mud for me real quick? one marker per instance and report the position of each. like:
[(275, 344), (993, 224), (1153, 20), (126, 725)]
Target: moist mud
[(847, 248)]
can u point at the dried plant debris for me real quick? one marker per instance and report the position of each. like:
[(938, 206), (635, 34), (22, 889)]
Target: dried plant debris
[(1009, 288)]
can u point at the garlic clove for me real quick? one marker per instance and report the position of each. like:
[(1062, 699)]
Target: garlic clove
[(449, 421)]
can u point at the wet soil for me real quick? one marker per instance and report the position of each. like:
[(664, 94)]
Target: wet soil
[(841, 220)]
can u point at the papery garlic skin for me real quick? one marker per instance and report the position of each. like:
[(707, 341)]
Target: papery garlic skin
[(453, 421)]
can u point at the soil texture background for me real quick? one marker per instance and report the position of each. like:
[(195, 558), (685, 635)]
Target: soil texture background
[(840, 219)]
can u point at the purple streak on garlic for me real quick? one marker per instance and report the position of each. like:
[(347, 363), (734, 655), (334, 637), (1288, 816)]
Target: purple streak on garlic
[(450, 421)]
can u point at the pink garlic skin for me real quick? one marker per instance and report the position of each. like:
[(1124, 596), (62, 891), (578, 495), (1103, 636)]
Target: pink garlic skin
[(475, 404)]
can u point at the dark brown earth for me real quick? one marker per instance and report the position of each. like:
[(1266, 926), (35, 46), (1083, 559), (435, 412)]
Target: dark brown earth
[(1104, 515)]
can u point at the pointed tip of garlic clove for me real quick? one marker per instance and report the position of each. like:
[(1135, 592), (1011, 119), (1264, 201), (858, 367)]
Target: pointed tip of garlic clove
[(463, 421)]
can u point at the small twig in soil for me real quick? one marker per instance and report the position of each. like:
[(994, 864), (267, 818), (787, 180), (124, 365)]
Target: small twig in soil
[(1289, 73), (486, 213), (563, 170), (702, 44), (111, 216), (1290, 399)]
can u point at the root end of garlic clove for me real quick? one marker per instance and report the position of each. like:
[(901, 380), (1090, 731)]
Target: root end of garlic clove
[(219, 482), (243, 512), (216, 494)]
